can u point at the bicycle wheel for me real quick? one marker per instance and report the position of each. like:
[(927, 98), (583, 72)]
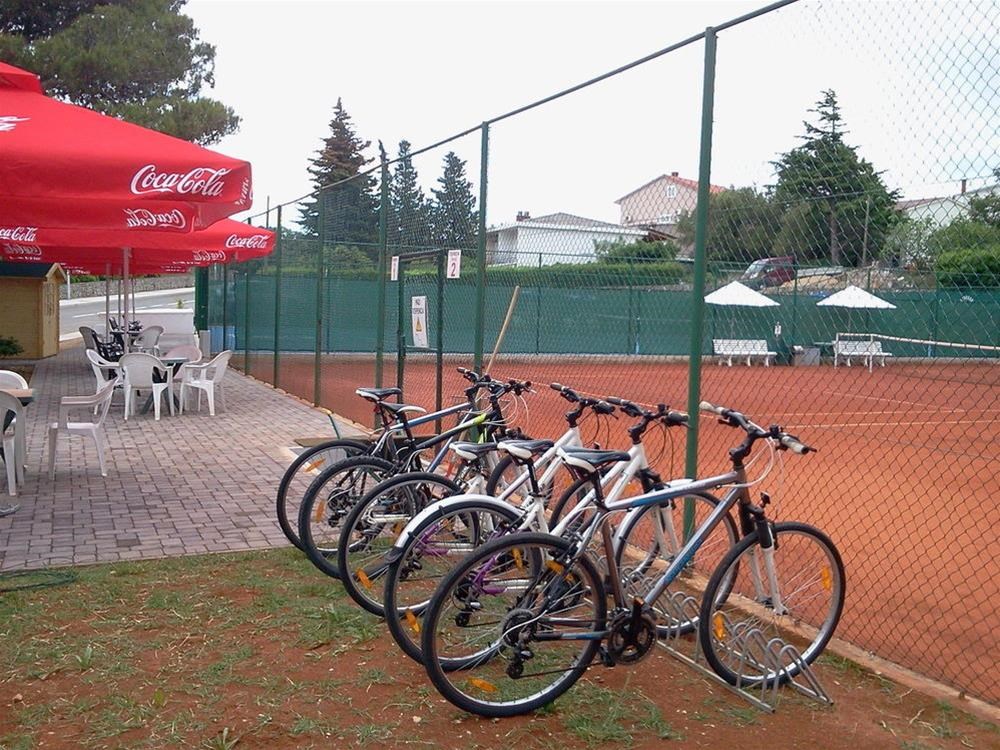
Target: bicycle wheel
[(301, 473), (511, 628), (647, 543), (801, 605), (431, 552), (372, 526), (328, 501)]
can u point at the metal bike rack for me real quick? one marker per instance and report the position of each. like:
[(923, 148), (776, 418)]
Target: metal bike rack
[(756, 655)]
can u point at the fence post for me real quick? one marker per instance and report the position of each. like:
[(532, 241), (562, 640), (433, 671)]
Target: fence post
[(400, 331), (698, 291), (246, 322), (321, 227), (201, 298), (439, 395), (383, 238), (225, 306), (484, 156), (277, 301), (538, 307)]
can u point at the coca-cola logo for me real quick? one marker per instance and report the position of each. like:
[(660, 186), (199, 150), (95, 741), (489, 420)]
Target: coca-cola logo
[(246, 192), (203, 181), (142, 218), (9, 122), (209, 256), (257, 241), (18, 234), (22, 251)]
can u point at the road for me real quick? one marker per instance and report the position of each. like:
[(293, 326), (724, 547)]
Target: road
[(89, 311)]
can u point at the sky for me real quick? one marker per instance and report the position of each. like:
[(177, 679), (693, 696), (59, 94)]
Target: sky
[(919, 86)]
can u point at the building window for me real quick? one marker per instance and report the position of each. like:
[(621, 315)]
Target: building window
[(671, 191)]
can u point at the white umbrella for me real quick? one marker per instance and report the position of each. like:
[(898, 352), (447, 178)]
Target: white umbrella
[(735, 294), (856, 298)]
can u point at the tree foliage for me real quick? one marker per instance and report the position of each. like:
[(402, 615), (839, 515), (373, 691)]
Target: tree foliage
[(141, 61), (409, 221), (839, 208), (453, 213), (643, 251), (348, 205), (742, 225)]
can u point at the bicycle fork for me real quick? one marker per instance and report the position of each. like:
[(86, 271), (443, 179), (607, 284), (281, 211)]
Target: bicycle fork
[(762, 556)]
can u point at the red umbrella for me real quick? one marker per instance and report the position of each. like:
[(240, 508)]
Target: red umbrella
[(226, 241), (67, 166)]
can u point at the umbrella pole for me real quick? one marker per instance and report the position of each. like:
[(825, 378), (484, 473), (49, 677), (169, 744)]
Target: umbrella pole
[(107, 301), (125, 286)]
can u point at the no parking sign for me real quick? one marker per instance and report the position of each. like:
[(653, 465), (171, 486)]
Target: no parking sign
[(418, 320)]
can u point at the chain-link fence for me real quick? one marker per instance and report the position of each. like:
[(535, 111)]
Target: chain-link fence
[(812, 192)]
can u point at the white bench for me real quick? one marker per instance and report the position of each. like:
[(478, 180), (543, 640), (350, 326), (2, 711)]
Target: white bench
[(749, 349), (867, 351)]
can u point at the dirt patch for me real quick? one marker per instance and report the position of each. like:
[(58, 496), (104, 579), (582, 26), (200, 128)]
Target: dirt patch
[(259, 650)]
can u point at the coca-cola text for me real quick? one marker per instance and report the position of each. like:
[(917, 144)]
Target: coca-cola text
[(203, 181), (257, 241), (18, 234), (141, 217)]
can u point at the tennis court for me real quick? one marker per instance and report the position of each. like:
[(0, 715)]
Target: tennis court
[(901, 480)]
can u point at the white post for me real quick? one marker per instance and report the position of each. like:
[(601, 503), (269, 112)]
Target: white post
[(107, 301), (125, 288)]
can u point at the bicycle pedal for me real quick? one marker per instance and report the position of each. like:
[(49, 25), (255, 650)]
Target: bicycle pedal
[(606, 658)]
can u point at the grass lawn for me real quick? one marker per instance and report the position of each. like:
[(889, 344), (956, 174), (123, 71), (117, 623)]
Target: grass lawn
[(261, 650)]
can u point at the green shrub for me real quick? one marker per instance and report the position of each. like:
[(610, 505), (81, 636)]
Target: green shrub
[(635, 252), (9, 347), (970, 267)]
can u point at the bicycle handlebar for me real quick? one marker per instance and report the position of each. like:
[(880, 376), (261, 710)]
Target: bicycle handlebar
[(734, 418), (670, 417)]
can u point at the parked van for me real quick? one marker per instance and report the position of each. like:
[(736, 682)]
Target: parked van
[(769, 272)]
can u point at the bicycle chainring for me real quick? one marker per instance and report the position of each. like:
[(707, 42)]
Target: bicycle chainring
[(626, 647)]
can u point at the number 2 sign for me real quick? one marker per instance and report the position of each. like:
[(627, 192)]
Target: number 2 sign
[(454, 270)]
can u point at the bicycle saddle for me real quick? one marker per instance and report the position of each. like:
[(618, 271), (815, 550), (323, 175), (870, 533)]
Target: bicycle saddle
[(525, 448), (378, 394), (471, 451), (591, 460)]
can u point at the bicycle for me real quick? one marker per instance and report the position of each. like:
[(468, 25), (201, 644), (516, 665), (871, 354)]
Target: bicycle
[(519, 620), (335, 491), (426, 549), (301, 473)]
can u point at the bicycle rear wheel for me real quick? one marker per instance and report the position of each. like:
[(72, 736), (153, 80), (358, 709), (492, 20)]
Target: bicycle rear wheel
[(329, 499), (431, 551), (514, 625), (372, 526), (300, 474), (743, 609)]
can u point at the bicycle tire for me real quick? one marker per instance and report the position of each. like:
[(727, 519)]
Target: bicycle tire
[(806, 620), (638, 574), (580, 574), (402, 615), (322, 492), (282, 501), (363, 590)]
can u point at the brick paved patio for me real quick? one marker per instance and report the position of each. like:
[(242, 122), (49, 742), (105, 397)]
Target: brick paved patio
[(184, 485)]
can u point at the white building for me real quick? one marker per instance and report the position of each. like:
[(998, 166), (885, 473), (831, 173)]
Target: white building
[(555, 238), (942, 211)]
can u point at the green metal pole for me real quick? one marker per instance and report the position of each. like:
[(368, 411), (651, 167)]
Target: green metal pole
[(400, 331), (538, 307), (225, 306), (440, 333), (201, 298), (277, 302), (698, 290), (383, 237), (246, 322), (321, 226), (484, 158)]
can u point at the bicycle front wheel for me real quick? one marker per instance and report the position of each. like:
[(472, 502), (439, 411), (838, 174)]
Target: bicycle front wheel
[(792, 591), (329, 499), (371, 528), (514, 625)]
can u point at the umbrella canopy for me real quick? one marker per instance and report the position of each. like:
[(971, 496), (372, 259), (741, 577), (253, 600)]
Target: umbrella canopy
[(736, 294), (67, 166), (226, 241), (856, 298), (19, 79)]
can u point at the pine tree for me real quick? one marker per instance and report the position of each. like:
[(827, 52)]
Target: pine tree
[(408, 222), (454, 209), (839, 209), (349, 209)]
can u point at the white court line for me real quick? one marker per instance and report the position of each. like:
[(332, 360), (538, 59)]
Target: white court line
[(892, 424), (907, 412)]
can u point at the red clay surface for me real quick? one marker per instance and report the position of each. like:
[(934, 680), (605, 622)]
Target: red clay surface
[(902, 482)]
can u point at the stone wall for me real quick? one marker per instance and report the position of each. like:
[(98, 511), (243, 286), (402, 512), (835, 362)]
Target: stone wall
[(149, 284)]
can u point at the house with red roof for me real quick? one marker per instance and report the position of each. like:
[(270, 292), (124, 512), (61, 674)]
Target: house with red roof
[(659, 204)]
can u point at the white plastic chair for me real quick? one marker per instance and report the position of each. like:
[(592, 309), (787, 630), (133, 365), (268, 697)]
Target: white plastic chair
[(94, 428), (206, 378), (149, 340), (144, 372), (10, 379), (13, 440), (104, 371), (190, 352)]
